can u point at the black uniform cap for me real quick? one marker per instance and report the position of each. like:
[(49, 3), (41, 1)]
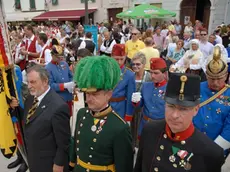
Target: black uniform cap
[(183, 89)]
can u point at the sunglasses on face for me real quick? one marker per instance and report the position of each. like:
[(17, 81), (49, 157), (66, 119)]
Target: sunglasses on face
[(136, 64)]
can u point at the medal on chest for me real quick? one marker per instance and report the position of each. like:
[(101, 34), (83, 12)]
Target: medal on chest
[(182, 154), (98, 129)]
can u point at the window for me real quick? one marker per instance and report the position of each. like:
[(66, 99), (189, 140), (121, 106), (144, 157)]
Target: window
[(54, 2), (90, 1), (17, 4), (32, 4)]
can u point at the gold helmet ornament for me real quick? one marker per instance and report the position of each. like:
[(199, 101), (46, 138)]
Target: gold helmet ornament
[(216, 68)]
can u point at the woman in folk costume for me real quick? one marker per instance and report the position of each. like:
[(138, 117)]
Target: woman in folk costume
[(102, 140), (122, 93), (192, 61)]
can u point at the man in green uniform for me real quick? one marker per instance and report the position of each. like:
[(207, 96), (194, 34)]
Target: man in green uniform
[(102, 140)]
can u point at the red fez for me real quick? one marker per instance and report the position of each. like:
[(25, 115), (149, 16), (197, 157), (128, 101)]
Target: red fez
[(118, 50), (157, 63)]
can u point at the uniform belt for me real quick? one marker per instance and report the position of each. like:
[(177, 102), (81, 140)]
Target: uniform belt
[(146, 118), (96, 167), (117, 99)]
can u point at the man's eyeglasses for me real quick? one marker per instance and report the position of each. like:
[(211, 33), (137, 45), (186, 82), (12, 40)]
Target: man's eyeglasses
[(134, 33), (136, 64)]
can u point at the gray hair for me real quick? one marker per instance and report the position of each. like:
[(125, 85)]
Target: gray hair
[(43, 73), (140, 56), (175, 39)]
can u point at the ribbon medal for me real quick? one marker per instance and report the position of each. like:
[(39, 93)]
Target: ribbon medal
[(172, 158), (94, 127)]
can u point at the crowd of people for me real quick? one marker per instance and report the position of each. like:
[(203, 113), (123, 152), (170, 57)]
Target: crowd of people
[(161, 92)]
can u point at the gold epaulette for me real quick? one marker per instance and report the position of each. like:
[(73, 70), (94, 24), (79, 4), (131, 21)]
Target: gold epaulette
[(118, 117)]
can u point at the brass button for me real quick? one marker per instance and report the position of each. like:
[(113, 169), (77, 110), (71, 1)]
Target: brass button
[(78, 141), (158, 158), (205, 125), (89, 163), (207, 117), (87, 170), (156, 169), (78, 132), (81, 125), (165, 136), (154, 94), (90, 156), (94, 140), (162, 147), (84, 117), (91, 148), (97, 132), (77, 149), (183, 142), (87, 111)]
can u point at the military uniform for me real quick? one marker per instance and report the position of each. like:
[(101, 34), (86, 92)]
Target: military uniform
[(102, 140), (107, 147), (186, 149), (122, 94), (213, 119), (152, 96), (153, 102), (193, 152)]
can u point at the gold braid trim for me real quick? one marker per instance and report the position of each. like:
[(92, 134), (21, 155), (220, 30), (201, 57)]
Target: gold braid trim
[(215, 96)]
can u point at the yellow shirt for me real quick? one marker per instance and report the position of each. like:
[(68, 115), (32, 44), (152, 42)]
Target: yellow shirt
[(171, 28), (131, 48), (149, 53)]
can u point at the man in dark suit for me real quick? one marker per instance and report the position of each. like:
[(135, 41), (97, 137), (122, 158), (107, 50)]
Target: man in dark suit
[(173, 144), (46, 125)]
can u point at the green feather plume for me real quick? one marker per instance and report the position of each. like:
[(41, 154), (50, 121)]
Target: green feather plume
[(99, 72)]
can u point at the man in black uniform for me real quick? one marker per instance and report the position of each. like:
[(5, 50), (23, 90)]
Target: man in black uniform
[(173, 144)]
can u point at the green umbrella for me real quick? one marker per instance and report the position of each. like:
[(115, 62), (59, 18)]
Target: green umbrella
[(145, 11)]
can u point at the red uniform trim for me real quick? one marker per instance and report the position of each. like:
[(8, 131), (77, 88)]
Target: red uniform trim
[(181, 135)]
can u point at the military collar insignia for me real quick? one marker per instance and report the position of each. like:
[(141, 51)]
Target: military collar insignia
[(55, 63), (181, 136), (160, 84), (102, 113)]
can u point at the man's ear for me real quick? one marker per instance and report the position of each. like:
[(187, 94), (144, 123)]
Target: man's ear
[(109, 94), (196, 109)]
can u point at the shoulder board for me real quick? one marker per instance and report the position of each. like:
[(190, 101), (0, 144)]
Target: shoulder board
[(129, 69), (118, 116), (228, 86)]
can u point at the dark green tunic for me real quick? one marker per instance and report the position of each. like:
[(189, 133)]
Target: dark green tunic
[(112, 145)]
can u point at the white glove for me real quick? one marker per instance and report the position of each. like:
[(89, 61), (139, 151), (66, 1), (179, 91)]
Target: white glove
[(136, 97), (72, 59), (69, 86)]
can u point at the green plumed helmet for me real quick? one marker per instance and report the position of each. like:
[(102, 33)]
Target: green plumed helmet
[(97, 73)]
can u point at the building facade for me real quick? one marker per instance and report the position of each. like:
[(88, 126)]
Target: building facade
[(211, 12)]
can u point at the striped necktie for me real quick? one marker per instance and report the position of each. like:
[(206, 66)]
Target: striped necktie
[(32, 110)]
